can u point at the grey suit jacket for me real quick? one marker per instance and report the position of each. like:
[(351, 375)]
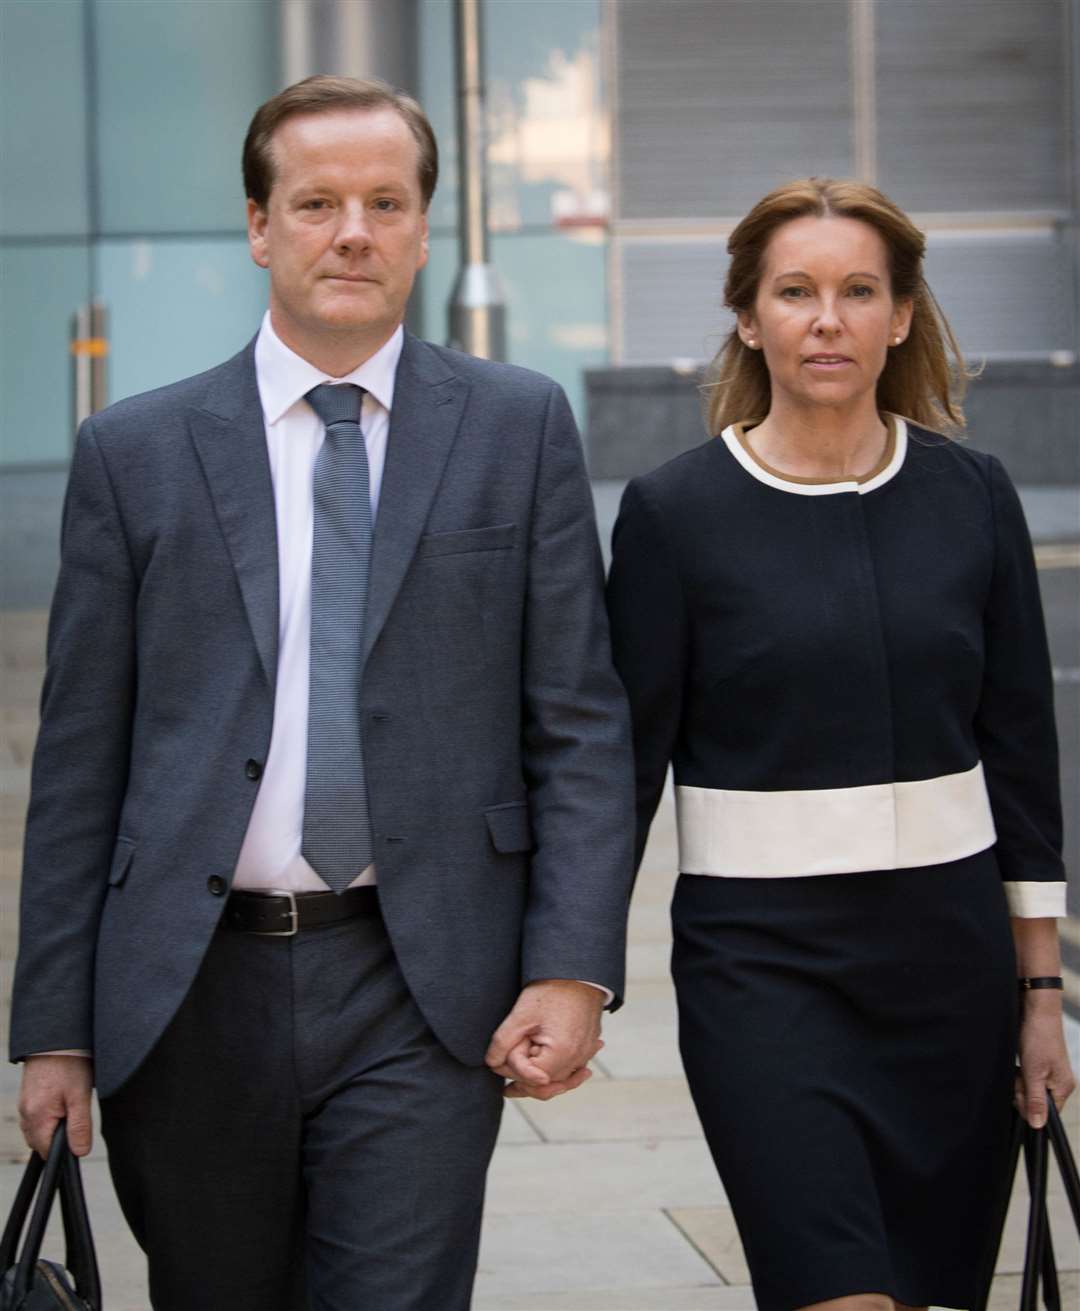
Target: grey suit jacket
[(495, 734)]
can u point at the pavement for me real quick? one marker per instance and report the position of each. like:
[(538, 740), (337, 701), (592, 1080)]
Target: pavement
[(602, 1200)]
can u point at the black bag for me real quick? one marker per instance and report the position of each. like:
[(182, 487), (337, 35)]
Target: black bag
[(28, 1283), (1039, 1263)]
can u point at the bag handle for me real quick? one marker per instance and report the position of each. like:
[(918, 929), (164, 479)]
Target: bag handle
[(1060, 1143), (1038, 1231), (20, 1209), (35, 1233), (58, 1174), (79, 1257), (1039, 1251)]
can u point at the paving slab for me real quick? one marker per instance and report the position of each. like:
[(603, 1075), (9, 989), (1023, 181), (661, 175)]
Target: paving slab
[(580, 1252), (514, 1129), (647, 961), (613, 1110), (713, 1233), (557, 1178), (717, 1298), (1066, 1239), (645, 1043), (1005, 1293)]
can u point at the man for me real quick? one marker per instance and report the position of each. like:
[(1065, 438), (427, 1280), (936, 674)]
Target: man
[(332, 796)]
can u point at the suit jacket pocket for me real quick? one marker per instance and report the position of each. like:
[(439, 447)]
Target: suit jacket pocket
[(509, 827), (121, 861), (496, 537)]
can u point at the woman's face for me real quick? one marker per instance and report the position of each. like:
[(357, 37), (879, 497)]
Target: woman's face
[(824, 314)]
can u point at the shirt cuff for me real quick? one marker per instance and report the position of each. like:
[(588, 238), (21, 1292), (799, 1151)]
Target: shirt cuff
[(65, 1051), (609, 996), (1030, 900)]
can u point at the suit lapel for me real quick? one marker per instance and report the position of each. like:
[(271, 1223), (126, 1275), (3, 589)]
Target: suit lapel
[(230, 440), (428, 403)]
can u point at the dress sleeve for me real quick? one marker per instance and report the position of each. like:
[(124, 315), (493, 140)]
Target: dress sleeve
[(1014, 724), (649, 637)]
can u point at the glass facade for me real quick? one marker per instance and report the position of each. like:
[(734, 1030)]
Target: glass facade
[(623, 137), (122, 183)]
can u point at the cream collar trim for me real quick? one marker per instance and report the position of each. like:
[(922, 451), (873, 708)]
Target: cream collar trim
[(772, 478)]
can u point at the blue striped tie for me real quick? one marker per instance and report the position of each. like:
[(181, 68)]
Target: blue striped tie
[(337, 839)]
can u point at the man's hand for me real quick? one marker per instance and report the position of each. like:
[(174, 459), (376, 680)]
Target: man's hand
[(56, 1088), (545, 1043)]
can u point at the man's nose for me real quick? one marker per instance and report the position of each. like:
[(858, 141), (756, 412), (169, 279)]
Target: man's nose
[(353, 231)]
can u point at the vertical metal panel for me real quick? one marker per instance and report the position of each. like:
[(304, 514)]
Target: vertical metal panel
[(718, 103), (972, 104), (863, 70), (1005, 296), (673, 296), (351, 38)]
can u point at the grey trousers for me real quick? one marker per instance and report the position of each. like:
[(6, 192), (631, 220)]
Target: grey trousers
[(299, 1140)]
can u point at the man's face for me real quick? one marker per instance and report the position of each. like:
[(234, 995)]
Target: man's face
[(344, 231)]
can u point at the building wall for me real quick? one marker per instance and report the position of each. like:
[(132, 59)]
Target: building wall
[(964, 112)]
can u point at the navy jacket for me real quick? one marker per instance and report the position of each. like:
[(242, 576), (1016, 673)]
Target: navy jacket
[(845, 677)]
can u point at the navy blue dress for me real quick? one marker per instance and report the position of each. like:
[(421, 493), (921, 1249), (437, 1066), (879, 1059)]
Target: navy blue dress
[(851, 681)]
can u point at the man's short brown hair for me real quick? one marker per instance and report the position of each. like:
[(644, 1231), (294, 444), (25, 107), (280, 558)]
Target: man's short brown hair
[(321, 94)]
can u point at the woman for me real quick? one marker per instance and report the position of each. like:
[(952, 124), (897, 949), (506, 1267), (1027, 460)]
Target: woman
[(828, 619)]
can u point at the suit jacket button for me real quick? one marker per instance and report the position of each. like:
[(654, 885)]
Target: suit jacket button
[(217, 885), (253, 770)]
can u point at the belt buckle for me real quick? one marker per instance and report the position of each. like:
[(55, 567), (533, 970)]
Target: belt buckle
[(293, 912)]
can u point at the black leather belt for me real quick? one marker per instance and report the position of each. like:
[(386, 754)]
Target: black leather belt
[(284, 914)]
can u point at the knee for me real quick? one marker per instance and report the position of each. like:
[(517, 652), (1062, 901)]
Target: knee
[(856, 1302)]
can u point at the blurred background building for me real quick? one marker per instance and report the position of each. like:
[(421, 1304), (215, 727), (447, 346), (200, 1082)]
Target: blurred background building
[(624, 139)]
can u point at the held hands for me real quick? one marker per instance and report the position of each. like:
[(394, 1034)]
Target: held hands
[(56, 1088), (544, 1045), (1044, 1059)]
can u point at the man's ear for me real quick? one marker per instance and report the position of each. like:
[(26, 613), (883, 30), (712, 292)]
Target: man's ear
[(257, 220)]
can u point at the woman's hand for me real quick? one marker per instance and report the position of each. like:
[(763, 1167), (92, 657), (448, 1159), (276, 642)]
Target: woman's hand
[(1044, 1058)]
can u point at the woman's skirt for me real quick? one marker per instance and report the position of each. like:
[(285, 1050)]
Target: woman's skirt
[(849, 1042)]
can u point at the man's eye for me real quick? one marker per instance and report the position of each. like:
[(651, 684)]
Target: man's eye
[(314, 204), (386, 205)]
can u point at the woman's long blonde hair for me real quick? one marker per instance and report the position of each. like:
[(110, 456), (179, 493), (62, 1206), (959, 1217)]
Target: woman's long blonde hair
[(924, 377)]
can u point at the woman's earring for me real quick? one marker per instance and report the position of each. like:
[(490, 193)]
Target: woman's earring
[(752, 343)]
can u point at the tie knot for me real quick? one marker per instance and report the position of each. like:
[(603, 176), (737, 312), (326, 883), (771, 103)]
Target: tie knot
[(338, 403)]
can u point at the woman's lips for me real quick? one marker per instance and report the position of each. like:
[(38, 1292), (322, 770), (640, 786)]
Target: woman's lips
[(827, 362)]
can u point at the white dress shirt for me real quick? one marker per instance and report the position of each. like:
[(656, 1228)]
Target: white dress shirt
[(270, 856)]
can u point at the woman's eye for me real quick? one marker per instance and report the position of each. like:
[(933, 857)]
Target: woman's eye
[(862, 290), (793, 293)]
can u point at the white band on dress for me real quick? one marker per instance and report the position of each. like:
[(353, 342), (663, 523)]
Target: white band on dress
[(833, 830)]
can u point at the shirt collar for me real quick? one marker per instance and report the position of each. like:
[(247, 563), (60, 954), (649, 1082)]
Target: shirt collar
[(283, 377)]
